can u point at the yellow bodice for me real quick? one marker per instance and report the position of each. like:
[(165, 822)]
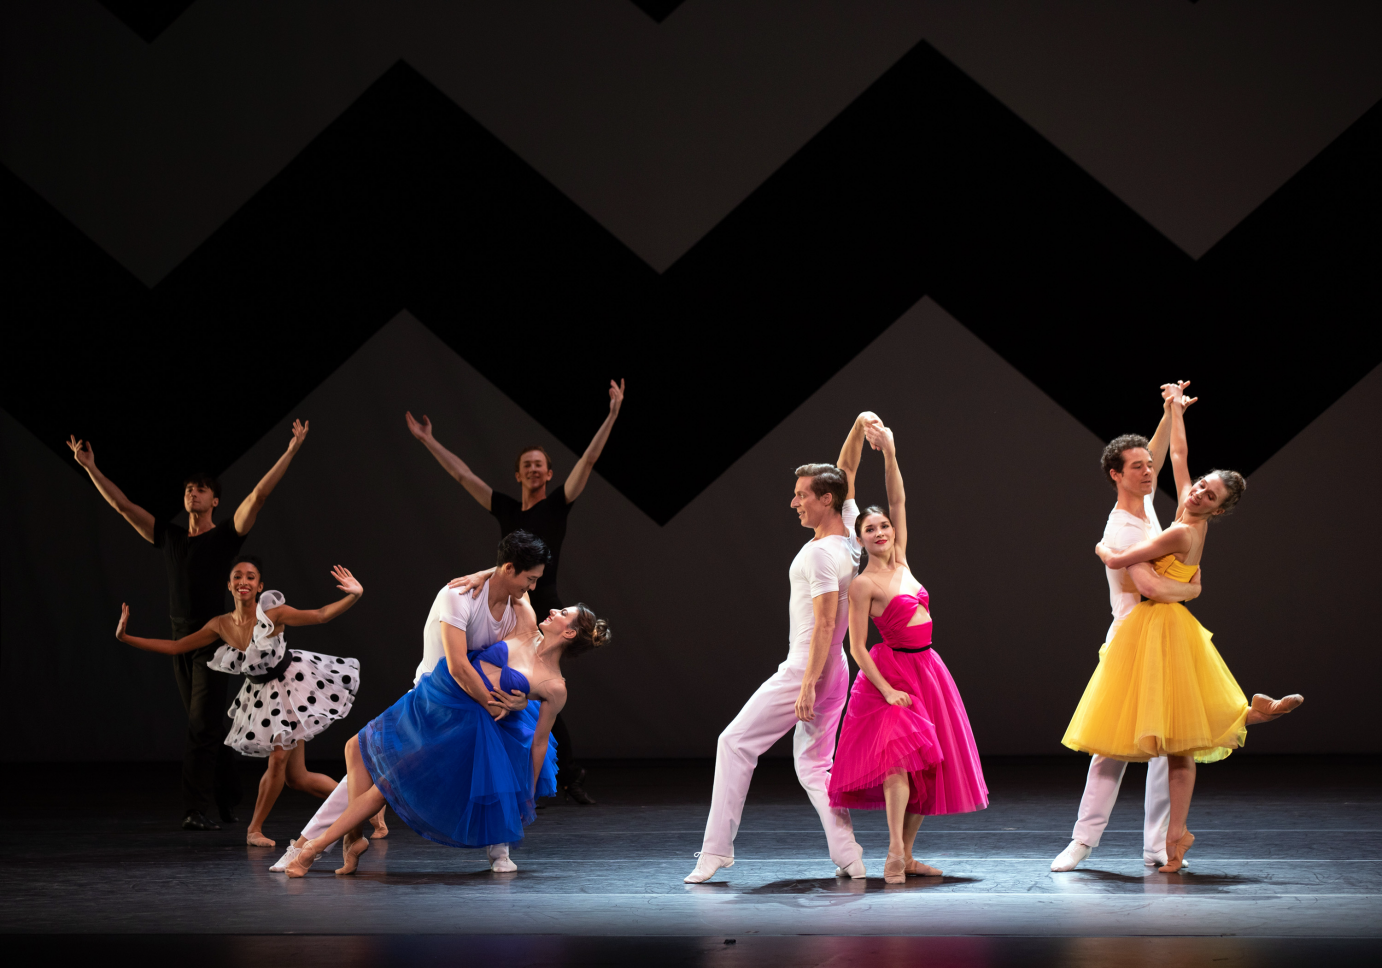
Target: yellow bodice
[(1169, 567)]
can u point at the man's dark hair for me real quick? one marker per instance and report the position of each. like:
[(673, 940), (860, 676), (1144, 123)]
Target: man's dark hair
[(826, 479), (1112, 460), (203, 479), (523, 550), (248, 560)]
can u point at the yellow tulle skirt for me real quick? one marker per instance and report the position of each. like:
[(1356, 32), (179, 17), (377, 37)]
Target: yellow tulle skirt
[(1160, 689)]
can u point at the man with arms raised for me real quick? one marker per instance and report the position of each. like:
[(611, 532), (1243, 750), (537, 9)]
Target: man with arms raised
[(1131, 464), (810, 687), (197, 561)]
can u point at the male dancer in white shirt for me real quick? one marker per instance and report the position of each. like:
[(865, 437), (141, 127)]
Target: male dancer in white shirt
[(810, 687), (480, 620), (1131, 463)]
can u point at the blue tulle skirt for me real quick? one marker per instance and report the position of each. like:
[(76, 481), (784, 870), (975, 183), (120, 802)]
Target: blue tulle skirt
[(450, 771)]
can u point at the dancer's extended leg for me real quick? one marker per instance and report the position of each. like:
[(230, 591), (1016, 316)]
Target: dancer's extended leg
[(365, 802), (1265, 708), (813, 748), (1178, 838), (1096, 805), (270, 786)]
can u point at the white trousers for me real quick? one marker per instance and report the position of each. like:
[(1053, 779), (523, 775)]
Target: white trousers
[(765, 719), (1101, 792), (333, 806)]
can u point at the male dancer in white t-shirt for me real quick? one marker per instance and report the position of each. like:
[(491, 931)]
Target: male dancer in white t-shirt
[(480, 620), (810, 687), (1132, 464)]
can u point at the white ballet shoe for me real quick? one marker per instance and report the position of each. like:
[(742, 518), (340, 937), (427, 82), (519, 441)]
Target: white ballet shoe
[(855, 869), (499, 859), (286, 859), (706, 866), (1070, 858)]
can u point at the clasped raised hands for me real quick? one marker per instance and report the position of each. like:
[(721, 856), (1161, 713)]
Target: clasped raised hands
[(1173, 395)]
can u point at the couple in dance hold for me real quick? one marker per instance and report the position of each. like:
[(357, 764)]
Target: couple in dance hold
[(905, 745)]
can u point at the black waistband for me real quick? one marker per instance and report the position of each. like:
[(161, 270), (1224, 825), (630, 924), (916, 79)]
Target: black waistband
[(925, 648), (277, 672)]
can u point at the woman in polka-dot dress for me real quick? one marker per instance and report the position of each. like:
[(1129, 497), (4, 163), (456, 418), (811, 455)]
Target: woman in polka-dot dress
[(289, 695)]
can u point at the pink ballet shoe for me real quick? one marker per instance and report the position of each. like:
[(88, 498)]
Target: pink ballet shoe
[(381, 829), (916, 868), (1175, 853), (352, 849), (1265, 708), (894, 869), (256, 838), (299, 865)]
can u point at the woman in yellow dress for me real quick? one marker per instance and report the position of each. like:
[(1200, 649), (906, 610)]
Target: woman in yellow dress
[(1161, 688)]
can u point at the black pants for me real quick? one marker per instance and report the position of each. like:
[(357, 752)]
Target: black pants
[(543, 600), (209, 775)]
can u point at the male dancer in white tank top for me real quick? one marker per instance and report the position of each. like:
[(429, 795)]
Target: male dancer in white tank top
[(1131, 463), (809, 689)]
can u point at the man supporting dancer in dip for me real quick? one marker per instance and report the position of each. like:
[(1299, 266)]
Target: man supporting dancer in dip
[(810, 687), (1131, 463), (480, 620), (540, 516), (197, 561)]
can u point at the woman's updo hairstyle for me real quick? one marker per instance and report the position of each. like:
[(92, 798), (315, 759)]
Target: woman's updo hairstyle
[(1234, 486), (249, 560), (871, 509), (591, 632)]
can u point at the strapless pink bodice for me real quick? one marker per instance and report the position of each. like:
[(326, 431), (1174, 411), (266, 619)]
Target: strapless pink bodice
[(892, 624)]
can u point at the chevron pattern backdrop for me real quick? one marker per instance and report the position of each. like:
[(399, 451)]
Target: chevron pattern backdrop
[(914, 185)]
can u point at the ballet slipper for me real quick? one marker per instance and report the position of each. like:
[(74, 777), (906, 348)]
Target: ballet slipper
[(894, 869), (916, 868), (381, 829), (352, 848), (300, 864), (1265, 708), (256, 838), (1175, 853)]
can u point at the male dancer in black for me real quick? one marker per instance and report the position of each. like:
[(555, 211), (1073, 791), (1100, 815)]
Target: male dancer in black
[(198, 561), (541, 516)]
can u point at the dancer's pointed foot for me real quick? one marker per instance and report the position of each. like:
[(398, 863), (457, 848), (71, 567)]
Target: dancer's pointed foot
[(299, 865), (894, 869), (855, 869), (1175, 853), (1070, 858), (256, 838), (352, 848), (1265, 708), (706, 866), (916, 868), (381, 829)]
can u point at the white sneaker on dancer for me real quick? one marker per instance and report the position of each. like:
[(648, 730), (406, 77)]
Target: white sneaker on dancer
[(1159, 860), (1070, 858), (499, 859), (286, 859), (706, 866), (856, 869)]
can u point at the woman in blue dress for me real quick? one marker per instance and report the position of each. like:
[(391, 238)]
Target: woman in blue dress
[(458, 758)]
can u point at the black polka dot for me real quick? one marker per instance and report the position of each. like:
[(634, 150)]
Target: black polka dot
[(333, 712), (274, 694), (274, 713), (249, 736), (320, 684), (258, 704), (287, 723), (265, 724), (302, 709), (237, 703), (335, 698), (298, 677), (312, 700), (346, 680), (340, 661)]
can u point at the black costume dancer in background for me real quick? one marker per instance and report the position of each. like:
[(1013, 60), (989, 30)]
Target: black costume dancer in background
[(198, 560), (539, 515)]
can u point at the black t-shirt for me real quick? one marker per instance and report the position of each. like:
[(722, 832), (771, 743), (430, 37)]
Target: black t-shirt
[(546, 519), (198, 571)]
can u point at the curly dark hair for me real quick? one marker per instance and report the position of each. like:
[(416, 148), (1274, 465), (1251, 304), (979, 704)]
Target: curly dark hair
[(523, 550), (591, 632), (1112, 458), (1234, 486)]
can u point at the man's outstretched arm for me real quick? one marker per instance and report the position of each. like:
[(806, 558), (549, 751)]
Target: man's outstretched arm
[(580, 474), (454, 466), (248, 511), (139, 519)]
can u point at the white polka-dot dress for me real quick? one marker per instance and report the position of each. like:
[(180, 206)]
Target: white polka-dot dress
[(298, 694)]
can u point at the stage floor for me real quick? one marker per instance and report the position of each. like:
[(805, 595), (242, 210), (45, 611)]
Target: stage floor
[(1287, 864)]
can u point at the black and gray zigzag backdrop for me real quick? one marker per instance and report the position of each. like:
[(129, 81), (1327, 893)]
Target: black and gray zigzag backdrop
[(927, 247)]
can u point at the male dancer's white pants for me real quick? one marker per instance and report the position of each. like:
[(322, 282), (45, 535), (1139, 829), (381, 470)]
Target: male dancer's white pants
[(1101, 791), (765, 719)]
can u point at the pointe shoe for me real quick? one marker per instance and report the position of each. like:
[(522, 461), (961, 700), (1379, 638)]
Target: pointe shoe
[(894, 869), (256, 838), (1071, 857), (916, 868), (854, 869), (381, 829), (1175, 853), (1269, 708), (288, 857), (499, 859), (706, 866), (352, 849), (300, 864)]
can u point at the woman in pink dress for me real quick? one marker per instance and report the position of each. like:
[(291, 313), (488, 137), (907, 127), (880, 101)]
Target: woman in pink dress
[(905, 744)]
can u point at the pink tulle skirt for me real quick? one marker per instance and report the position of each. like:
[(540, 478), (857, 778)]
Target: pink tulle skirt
[(930, 740)]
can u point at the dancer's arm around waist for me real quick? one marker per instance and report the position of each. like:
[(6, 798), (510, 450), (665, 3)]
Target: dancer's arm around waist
[(1159, 588), (458, 665)]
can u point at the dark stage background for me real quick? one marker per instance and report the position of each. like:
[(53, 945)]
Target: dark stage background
[(999, 225)]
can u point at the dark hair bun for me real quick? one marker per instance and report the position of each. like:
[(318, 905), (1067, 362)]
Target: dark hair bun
[(600, 635)]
